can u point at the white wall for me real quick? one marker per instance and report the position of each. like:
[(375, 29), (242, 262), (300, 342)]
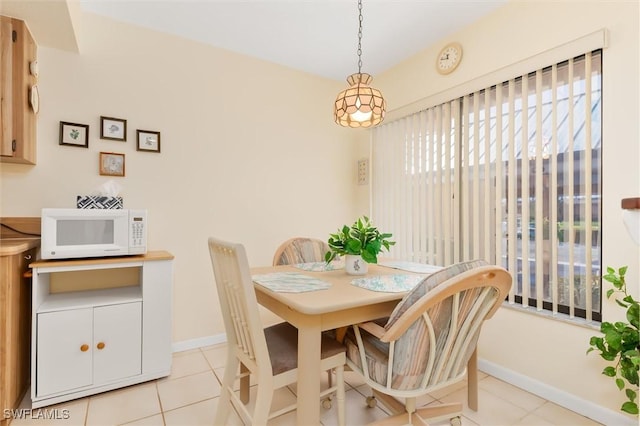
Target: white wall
[(547, 351), (250, 152)]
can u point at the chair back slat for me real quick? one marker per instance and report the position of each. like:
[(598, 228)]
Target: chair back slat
[(469, 331), (446, 337), (233, 292), (426, 345), (234, 310), (391, 355), (465, 318), (431, 360)]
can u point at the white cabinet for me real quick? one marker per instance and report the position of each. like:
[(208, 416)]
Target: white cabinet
[(99, 324), (91, 346)]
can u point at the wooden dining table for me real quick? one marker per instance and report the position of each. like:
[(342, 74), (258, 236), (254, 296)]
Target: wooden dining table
[(313, 312)]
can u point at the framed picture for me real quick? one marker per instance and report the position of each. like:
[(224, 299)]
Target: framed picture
[(111, 164), (148, 140), (74, 134), (114, 129)]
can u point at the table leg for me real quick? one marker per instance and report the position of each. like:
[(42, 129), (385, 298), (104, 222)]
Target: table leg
[(244, 384), (472, 381), (309, 338)]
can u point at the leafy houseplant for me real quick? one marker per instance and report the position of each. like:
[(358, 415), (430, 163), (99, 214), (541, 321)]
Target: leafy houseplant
[(362, 238), (621, 342)]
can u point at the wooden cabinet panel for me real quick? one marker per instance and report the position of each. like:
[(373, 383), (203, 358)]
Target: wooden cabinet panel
[(6, 100), (15, 328), (17, 118)]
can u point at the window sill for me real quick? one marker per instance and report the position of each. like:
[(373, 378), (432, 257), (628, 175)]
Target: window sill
[(531, 310)]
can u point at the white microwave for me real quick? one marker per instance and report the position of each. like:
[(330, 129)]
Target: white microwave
[(78, 233)]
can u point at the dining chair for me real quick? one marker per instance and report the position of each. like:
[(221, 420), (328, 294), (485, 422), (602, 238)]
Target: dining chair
[(271, 354), (427, 341), (300, 250)]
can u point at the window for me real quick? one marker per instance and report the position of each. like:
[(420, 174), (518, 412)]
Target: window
[(510, 174)]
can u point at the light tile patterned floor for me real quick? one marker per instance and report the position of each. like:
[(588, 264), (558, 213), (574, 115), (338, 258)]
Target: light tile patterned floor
[(189, 397)]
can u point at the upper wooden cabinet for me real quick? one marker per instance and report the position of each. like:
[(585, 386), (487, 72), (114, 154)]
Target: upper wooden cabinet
[(18, 93)]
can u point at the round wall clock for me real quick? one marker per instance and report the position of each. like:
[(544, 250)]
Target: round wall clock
[(449, 58)]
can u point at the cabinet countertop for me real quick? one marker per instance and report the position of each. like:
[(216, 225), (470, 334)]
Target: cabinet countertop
[(11, 246), (149, 256)]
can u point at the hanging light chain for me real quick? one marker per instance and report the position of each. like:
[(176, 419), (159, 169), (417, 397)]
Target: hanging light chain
[(359, 36)]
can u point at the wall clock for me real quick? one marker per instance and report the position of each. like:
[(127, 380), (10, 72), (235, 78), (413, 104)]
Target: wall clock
[(449, 58)]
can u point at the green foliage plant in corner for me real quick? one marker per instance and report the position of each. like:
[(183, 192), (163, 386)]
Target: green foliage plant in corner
[(621, 342), (361, 238)]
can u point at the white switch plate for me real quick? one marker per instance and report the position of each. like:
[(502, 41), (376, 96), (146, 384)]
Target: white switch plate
[(363, 171)]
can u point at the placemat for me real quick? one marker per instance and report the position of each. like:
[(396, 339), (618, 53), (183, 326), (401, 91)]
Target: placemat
[(389, 283), (420, 268), (290, 282)]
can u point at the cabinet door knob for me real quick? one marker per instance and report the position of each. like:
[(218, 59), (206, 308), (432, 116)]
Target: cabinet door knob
[(100, 345), (27, 257), (84, 347)]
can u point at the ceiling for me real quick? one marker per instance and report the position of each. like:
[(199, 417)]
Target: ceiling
[(315, 36)]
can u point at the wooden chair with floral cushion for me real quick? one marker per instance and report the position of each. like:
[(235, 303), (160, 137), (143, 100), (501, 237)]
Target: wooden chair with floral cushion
[(428, 339), (271, 354), (300, 250)]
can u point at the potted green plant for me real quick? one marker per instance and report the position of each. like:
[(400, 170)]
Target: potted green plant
[(359, 243), (621, 342)]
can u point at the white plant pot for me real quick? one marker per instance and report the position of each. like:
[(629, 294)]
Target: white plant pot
[(354, 265)]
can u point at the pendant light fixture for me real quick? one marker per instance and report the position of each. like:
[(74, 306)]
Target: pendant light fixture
[(360, 105)]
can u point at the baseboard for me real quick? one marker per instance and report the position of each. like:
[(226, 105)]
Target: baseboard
[(564, 399), (186, 345)]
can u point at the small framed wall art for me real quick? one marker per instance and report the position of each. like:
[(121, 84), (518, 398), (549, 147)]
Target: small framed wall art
[(74, 134), (114, 129), (111, 164), (148, 140)]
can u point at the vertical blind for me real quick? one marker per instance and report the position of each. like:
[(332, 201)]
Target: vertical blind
[(510, 174)]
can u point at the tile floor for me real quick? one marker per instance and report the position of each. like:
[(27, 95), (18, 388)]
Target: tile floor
[(189, 396)]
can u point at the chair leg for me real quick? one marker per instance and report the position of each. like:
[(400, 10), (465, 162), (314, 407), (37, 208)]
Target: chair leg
[(263, 404), (340, 333), (326, 403), (394, 406), (245, 383), (472, 381), (401, 419), (224, 402), (340, 395), (440, 412)]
